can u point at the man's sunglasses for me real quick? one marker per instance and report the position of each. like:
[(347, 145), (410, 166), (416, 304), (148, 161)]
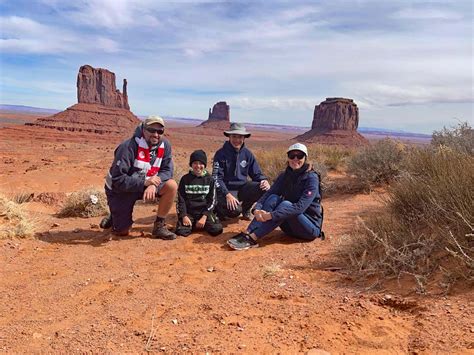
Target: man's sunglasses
[(298, 155), (155, 130)]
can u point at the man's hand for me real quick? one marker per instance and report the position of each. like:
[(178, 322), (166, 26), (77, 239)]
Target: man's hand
[(186, 221), (264, 185), (149, 194), (262, 216), (232, 202), (201, 222), (154, 180)]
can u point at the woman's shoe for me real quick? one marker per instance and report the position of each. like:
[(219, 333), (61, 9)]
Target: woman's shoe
[(242, 241)]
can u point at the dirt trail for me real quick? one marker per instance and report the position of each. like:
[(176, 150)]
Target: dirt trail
[(75, 288)]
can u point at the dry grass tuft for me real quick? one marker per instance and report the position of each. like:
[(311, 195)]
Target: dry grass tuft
[(15, 222), (90, 202), (271, 269), (427, 224)]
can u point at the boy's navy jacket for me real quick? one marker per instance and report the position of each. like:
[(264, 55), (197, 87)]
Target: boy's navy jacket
[(300, 188), (232, 167), (124, 177), (196, 195)]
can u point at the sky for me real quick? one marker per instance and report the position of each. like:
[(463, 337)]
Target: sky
[(407, 64)]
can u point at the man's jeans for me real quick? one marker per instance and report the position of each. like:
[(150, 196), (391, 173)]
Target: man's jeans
[(297, 226)]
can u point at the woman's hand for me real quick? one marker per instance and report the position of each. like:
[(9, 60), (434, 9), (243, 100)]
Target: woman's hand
[(264, 185), (262, 216)]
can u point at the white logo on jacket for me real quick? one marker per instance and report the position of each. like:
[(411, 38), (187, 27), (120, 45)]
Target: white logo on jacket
[(243, 163)]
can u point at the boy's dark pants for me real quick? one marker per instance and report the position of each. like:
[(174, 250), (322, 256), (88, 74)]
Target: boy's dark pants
[(248, 194), (212, 226)]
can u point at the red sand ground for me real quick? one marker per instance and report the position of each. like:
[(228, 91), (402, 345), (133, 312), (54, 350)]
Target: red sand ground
[(75, 288)]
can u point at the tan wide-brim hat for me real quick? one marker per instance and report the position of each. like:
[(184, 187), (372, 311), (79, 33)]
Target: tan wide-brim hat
[(237, 128), (153, 119)]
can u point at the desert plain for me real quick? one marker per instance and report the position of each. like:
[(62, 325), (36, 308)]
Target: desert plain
[(75, 288)]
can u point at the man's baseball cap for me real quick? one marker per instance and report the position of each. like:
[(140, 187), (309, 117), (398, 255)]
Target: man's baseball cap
[(153, 119)]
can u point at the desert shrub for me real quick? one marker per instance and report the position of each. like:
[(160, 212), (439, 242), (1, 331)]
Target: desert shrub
[(460, 137), (90, 202), (378, 163), (272, 162), (334, 157), (14, 220), (427, 223), (22, 197)]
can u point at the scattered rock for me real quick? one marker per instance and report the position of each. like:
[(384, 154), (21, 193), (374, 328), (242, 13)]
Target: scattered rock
[(211, 269), (174, 321)]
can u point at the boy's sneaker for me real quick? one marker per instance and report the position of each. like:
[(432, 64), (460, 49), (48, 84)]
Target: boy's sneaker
[(242, 241), (247, 215), (106, 222), (161, 231)]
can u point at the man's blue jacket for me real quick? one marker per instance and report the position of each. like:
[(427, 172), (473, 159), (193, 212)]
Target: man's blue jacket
[(233, 167)]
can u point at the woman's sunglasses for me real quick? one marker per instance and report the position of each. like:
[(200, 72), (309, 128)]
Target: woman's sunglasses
[(155, 130), (298, 155)]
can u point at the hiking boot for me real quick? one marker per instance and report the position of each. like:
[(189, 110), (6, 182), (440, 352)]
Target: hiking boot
[(242, 241), (247, 215), (106, 222), (160, 231), (122, 233)]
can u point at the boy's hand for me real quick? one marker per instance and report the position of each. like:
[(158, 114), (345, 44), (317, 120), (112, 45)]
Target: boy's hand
[(186, 221), (201, 222), (154, 180)]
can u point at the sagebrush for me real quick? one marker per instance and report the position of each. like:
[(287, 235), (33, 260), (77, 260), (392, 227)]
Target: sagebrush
[(427, 223), (378, 163)]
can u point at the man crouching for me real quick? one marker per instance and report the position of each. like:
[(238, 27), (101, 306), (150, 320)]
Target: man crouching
[(142, 169)]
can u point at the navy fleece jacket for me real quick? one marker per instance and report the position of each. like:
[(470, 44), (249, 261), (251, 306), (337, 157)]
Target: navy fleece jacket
[(232, 168), (302, 190), (123, 176)]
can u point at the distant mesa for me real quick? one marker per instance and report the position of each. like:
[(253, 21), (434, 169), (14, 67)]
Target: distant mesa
[(335, 121), (219, 116), (101, 108)]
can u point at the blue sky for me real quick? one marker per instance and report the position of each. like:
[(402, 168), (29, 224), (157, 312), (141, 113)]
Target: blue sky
[(407, 64)]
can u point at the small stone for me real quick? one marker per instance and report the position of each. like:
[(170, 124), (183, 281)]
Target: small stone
[(387, 297), (242, 346), (174, 321), (76, 230), (211, 269), (94, 226), (54, 225)]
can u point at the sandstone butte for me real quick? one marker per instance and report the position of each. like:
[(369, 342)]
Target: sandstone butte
[(219, 116), (101, 107), (335, 121)]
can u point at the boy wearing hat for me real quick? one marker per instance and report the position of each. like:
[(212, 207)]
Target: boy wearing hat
[(233, 164), (197, 198), (142, 170)]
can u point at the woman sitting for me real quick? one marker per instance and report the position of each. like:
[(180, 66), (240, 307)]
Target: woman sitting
[(293, 203)]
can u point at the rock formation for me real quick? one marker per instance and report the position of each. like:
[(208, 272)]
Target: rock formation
[(97, 86), (101, 108), (219, 116), (335, 121)]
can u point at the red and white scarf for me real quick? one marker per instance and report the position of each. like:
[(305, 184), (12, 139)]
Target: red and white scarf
[(142, 160)]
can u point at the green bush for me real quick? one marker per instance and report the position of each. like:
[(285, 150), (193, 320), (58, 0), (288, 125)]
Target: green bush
[(460, 138), (378, 163)]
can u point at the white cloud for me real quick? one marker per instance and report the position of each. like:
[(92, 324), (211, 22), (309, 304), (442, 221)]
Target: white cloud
[(23, 35)]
